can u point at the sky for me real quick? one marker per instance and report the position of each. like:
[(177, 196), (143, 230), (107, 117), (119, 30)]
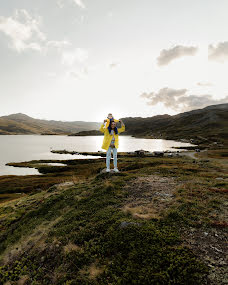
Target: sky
[(78, 60)]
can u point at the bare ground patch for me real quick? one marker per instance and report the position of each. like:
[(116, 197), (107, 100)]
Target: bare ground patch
[(149, 196)]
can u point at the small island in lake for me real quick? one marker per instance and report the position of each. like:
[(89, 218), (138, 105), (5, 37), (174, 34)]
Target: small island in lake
[(88, 133)]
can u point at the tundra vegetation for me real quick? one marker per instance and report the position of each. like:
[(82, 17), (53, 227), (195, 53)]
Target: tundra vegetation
[(158, 221)]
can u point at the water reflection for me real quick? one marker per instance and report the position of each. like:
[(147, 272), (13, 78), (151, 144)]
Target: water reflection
[(16, 148)]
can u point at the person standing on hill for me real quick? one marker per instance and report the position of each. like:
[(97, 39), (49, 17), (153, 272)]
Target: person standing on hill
[(111, 142)]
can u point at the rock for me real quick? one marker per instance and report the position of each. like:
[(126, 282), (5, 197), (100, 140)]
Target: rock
[(215, 248), (222, 262), (125, 224), (165, 195), (104, 171), (103, 174)]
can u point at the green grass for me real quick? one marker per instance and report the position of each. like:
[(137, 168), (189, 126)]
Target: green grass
[(87, 218), (132, 255)]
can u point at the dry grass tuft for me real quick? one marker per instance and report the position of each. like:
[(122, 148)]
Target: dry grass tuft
[(70, 247)]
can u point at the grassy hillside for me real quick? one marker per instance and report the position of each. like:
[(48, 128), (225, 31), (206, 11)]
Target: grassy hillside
[(159, 221), (23, 124)]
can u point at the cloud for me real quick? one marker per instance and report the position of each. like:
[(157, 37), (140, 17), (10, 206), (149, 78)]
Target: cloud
[(51, 74), (113, 64), (219, 52), (59, 45), (204, 84), (23, 31), (110, 14), (80, 3), (168, 55), (60, 4), (69, 57), (78, 74), (179, 100)]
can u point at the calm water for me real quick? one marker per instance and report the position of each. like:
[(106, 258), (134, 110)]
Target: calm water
[(16, 148)]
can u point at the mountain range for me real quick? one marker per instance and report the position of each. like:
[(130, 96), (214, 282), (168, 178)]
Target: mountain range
[(19, 123), (209, 123)]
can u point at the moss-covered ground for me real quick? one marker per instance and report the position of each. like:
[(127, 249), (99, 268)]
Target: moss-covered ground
[(158, 221)]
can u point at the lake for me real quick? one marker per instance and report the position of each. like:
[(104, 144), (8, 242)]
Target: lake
[(17, 148)]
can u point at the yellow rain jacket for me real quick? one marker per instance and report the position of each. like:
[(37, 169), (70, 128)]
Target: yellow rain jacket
[(107, 137)]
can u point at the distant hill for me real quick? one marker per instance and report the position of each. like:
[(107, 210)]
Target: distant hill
[(207, 124), (22, 124), (88, 133), (210, 123)]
